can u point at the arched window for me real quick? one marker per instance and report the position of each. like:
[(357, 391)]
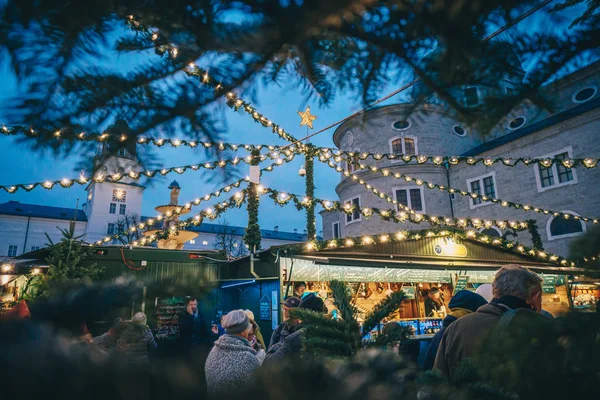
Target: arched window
[(397, 146), (404, 145), (409, 146), (492, 232), (560, 227)]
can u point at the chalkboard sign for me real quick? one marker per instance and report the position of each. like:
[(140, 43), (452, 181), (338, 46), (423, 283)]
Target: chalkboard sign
[(265, 308), (167, 317), (461, 283), (549, 284), (409, 292)]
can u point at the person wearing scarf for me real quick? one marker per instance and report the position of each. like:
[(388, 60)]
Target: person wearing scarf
[(514, 288), (464, 302)]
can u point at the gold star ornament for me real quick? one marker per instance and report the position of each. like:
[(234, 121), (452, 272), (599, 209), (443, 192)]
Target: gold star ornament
[(307, 118)]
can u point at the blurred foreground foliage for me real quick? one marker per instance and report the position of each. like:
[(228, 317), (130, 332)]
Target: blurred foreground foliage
[(44, 357)]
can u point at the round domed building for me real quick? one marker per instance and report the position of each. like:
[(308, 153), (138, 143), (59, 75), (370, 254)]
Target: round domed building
[(430, 129), (401, 130)]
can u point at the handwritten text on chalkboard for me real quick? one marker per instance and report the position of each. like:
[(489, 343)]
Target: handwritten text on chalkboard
[(167, 317)]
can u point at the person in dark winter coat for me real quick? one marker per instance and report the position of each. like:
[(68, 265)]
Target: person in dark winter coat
[(290, 345), (463, 303), (193, 331), (108, 341), (433, 303), (137, 342), (517, 294), (232, 361), (283, 330)]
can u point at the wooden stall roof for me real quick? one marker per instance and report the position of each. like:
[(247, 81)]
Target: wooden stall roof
[(265, 267), (162, 266), (422, 253)]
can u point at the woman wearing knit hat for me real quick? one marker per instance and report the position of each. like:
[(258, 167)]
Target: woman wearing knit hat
[(232, 361), (256, 334), (137, 341)]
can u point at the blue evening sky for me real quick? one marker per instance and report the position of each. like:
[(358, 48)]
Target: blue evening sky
[(18, 164)]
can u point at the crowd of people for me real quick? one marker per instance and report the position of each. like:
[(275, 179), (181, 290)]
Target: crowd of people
[(240, 349), (515, 296), (240, 352)]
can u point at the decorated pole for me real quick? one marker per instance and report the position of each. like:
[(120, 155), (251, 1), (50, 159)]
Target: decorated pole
[(309, 163), (252, 237)]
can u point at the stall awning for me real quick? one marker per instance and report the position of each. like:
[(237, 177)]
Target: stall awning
[(364, 260)]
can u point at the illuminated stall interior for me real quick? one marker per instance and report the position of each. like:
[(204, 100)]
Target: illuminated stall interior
[(415, 267)]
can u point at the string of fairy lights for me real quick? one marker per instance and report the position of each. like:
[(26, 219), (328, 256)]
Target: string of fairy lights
[(390, 215), (402, 236), (547, 162), (123, 138), (233, 101), (324, 153), (101, 176), (386, 172), (236, 103), (189, 205), (211, 213)]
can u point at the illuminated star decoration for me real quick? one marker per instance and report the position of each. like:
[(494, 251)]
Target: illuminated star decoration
[(307, 118)]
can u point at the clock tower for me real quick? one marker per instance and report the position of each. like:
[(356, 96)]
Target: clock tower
[(108, 202)]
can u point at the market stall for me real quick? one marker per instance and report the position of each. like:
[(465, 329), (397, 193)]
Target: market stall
[(429, 271)]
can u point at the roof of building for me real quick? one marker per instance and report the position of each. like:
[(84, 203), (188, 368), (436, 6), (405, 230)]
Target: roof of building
[(241, 231), (38, 211), (537, 126)]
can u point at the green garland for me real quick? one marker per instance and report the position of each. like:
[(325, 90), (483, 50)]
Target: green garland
[(536, 239), (121, 139), (455, 233), (309, 164), (82, 180), (252, 238), (352, 157), (390, 215), (430, 185)]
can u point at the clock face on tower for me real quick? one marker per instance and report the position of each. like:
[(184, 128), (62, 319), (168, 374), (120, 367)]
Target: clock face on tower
[(119, 196)]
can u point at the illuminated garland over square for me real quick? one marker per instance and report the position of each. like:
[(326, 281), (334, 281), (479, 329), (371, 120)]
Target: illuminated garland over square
[(419, 182), (134, 175), (402, 236), (390, 215), (352, 156), (153, 221), (122, 139)]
